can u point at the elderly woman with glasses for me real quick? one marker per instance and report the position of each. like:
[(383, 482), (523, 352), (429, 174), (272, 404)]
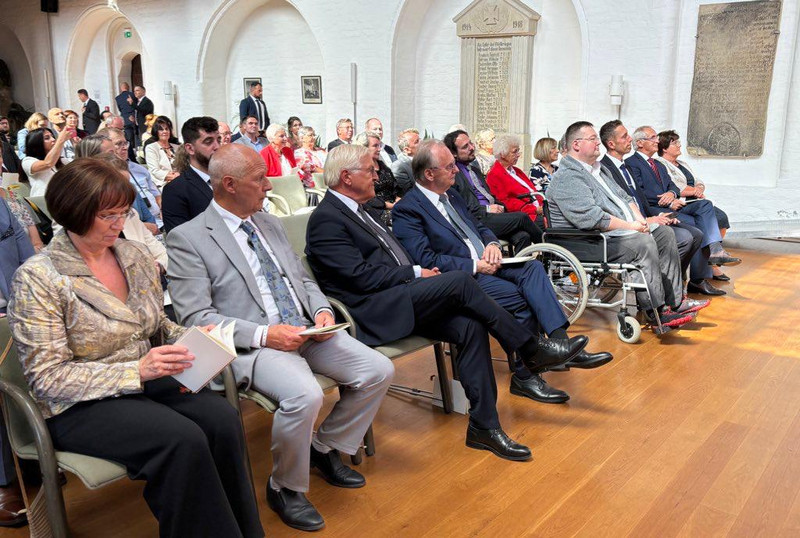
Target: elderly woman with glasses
[(510, 186), (98, 353), (387, 191)]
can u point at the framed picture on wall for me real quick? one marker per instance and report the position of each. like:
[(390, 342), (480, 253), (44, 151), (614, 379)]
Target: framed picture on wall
[(247, 82), (311, 87)]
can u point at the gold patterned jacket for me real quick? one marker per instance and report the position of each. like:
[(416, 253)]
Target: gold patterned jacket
[(76, 340)]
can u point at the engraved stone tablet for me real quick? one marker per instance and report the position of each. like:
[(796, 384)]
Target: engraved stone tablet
[(493, 84), (736, 45)]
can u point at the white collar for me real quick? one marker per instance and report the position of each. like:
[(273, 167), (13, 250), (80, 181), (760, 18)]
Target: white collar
[(643, 156), (429, 194), (203, 175), (231, 221), (614, 160), (351, 204)]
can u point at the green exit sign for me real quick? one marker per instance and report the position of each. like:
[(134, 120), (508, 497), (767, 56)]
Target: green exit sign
[(128, 34)]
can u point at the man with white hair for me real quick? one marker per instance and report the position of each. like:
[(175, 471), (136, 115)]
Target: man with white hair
[(234, 263), (388, 156), (225, 133), (250, 136), (116, 122), (407, 142), (344, 133)]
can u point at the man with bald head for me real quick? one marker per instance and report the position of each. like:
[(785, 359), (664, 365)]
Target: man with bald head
[(234, 263), (225, 133)]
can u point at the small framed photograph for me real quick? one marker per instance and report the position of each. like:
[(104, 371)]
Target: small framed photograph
[(247, 82), (311, 87)]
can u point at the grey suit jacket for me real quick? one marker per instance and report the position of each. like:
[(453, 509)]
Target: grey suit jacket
[(403, 175), (576, 200), (211, 282)]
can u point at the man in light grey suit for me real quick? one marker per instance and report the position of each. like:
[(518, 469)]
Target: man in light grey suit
[(234, 262), (407, 142)]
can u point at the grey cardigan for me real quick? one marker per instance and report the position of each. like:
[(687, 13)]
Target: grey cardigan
[(576, 200)]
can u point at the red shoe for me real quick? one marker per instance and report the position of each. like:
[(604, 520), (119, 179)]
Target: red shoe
[(691, 305)]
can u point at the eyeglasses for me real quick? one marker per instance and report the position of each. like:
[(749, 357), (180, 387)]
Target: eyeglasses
[(123, 144), (675, 143), (452, 167), (592, 139), (370, 170), (653, 138), (114, 217)]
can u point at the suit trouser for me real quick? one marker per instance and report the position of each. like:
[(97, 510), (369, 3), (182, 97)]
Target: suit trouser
[(692, 256), (288, 378), (187, 447), (515, 227), (130, 136), (701, 215), (452, 307), (656, 254)]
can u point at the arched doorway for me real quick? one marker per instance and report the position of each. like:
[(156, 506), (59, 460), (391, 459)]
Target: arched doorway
[(136, 71)]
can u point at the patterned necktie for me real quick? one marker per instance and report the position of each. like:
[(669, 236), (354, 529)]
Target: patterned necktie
[(478, 187), (269, 269), (628, 179), (385, 237), (652, 164), (462, 227)]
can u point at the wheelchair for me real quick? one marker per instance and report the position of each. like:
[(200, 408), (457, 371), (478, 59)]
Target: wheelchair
[(576, 262)]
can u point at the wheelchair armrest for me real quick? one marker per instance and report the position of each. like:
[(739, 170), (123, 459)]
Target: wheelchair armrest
[(339, 306), (571, 232)]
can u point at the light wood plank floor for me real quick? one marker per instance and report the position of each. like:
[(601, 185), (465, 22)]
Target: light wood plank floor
[(695, 434)]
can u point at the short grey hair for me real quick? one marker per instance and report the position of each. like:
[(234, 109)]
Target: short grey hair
[(231, 162), (273, 129), (342, 157), (363, 138), (403, 139), (483, 136), (91, 145), (110, 119), (107, 131), (305, 130), (424, 159), (639, 134), (342, 122), (504, 143)]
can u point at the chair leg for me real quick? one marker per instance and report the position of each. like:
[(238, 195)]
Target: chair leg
[(444, 383), (510, 357), (369, 442), (453, 359), (356, 458)]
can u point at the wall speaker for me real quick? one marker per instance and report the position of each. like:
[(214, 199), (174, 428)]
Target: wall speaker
[(50, 6)]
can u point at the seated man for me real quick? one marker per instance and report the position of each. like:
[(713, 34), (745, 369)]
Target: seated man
[(583, 195), (189, 194), (361, 263), (407, 141), (661, 192), (515, 227), (234, 262), (436, 228)]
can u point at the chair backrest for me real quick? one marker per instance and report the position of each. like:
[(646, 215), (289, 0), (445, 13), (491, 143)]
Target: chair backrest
[(295, 226), (291, 189), (319, 183), (19, 433), (21, 190), (38, 202)]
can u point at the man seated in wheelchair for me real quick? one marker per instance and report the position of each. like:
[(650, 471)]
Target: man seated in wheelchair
[(582, 195)]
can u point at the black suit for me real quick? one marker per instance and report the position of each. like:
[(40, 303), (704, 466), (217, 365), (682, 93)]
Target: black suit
[(11, 162), (335, 143), (126, 110), (91, 116), (516, 227), (184, 198), (388, 303), (390, 151), (141, 109), (687, 237), (248, 107)]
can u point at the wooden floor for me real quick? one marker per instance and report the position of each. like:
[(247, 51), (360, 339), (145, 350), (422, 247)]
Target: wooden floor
[(696, 434)]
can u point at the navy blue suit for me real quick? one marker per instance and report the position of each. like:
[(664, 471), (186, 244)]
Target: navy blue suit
[(432, 241), (184, 198), (388, 302), (247, 107), (126, 110)]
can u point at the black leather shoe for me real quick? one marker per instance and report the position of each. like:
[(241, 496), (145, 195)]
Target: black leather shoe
[(553, 352), (722, 277), (294, 509), (537, 389), (334, 471), (585, 360), (723, 259), (12, 508), (497, 442), (704, 288)]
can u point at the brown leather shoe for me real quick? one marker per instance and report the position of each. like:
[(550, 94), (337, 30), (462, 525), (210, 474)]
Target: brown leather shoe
[(12, 509)]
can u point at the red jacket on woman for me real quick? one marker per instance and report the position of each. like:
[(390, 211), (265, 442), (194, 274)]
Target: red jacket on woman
[(506, 189), (273, 160)]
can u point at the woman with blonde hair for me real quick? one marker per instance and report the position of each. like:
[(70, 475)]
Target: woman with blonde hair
[(546, 154), (36, 121)]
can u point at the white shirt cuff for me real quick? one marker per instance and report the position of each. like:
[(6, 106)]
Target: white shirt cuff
[(259, 336), (417, 271)]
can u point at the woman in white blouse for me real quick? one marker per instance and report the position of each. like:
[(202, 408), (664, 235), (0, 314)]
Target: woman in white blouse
[(160, 153), (43, 157)]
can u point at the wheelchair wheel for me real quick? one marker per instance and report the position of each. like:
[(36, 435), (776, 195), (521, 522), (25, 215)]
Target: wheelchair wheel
[(607, 289), (566, 274), (630, 331)]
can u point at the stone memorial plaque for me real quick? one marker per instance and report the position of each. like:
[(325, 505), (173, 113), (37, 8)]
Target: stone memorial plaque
[(493, 83), (735, 52)]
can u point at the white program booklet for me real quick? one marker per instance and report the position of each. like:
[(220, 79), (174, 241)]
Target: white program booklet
[(512, 261), (213, 351), (325, 330)]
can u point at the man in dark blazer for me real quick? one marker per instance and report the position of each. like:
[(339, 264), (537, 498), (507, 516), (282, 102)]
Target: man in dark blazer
[(434, 225), (361, 263), (253, 105), (142, 108), (617, 142), (11, 162), (189, 194), (661, 192), (15, 248), (125, 101), (515, 227), (91, 112), (344, 133), (388, 155)]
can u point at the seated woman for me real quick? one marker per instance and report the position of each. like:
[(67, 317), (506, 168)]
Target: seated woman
[(294, 124), (484, 156), (36, 121), (387, 191), (149, 120), (309, 158), (160, 153), (669, 149), (21, 212), (278, 154), (86, 315), (546, 154), (510, 186), (43, 157)]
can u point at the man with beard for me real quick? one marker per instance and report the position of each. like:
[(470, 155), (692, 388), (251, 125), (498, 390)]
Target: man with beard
[(189, 194)]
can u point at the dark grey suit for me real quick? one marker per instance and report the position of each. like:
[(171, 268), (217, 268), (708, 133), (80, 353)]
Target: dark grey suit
[(211, 282)]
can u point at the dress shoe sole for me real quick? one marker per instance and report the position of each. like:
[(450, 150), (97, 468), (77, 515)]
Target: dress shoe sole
[(339, 484), (19, 521), (722, 278), (715, 293), (480, 446), (555, 400), (720, 262), (293, 524)]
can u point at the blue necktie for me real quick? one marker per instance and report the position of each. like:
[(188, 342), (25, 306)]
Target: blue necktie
[(462, 227), (280, 291), (628, 179)]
